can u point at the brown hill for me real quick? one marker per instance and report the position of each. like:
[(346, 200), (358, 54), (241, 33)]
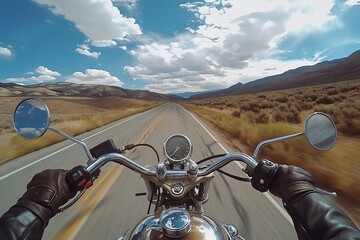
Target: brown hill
[(79, 90)]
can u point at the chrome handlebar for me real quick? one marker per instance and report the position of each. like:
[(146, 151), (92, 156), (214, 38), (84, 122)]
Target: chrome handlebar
[(242, 157), (118, 158), (123, 160)]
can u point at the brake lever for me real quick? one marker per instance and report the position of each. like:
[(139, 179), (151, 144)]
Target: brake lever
[(324, 192)]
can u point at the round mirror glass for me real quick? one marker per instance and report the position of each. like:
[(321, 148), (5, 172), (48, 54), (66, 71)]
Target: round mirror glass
[(320, 131), (31, 118)]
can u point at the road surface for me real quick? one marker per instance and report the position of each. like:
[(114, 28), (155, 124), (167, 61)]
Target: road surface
[(110, 207)]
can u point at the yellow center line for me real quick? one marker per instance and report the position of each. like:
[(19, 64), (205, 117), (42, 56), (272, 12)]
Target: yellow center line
[(96, 193)]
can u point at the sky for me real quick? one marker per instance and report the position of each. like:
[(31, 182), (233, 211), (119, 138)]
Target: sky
[(170, 46)]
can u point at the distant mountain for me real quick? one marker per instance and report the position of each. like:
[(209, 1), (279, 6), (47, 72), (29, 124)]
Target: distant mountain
[(189, 94), (7, 84), (79, 90), (343, 69)]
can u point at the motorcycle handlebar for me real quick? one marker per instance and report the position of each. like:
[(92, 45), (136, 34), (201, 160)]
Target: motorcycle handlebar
[(118, 158), (242, 157), (121, 159)]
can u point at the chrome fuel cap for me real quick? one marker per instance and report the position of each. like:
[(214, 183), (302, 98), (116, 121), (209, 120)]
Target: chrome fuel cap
[(175, 222)]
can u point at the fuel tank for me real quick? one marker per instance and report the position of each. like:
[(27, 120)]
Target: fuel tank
[(179, 223)]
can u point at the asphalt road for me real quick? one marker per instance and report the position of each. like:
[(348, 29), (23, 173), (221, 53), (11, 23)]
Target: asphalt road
[(110, 207)]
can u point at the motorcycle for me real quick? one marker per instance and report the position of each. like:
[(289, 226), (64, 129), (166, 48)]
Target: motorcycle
[(177, 186)]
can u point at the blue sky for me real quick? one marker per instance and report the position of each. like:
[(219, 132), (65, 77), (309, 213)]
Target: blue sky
[(170, 46)]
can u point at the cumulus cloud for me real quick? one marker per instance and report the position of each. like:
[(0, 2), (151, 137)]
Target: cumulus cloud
[(123, 48), (103, 43), (6, 52), (45, 71), (99, 20), (85, 50), (94, 76), (130, 4), (231, 43), (40, 75), (352, 2), (31, 80), (31, 132)]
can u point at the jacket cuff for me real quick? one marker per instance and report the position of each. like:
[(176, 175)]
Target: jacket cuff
[(296, 190), (41, 211)]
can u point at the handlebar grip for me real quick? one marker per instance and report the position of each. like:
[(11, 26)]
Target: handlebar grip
[(78, 178), (263, 174)]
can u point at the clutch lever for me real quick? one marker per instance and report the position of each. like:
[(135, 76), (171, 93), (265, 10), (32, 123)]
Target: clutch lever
[(74, 200), (324, 192), (78, 179)]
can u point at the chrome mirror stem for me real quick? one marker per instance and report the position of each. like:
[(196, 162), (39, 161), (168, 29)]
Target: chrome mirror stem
[(266, 142), (81, 143)]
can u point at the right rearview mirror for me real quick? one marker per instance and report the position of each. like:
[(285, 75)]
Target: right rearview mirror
[(320, 131)]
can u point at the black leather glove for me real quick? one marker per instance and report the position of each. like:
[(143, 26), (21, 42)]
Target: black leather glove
[(290, 181), (46, 192)]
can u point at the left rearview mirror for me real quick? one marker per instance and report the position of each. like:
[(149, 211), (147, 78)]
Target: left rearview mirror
[(31, 118)]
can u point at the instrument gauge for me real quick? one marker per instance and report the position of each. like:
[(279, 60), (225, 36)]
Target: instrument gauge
[(177, 148)]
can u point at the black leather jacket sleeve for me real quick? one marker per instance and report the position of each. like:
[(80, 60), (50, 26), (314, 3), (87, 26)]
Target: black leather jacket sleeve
[(315, 217), (21, 224)]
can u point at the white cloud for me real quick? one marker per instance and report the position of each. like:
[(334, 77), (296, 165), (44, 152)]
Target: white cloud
[(31, 132), (85, 50), (352, 2), (45, 71), (130, 4), (32, 80), (44, 78), (319, 56), (103, 43), (94, 76), (123, 48), (234, 41), (43, 75), (5, 52), (99, 20)]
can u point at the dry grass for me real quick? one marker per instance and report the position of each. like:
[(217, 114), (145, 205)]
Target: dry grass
[(248, 119), (71, 115)]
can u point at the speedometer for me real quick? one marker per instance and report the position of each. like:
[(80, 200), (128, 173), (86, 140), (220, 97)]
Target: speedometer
[(178, 148)]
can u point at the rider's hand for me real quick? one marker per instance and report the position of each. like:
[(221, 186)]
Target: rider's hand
[(46, 192), (290, 181)]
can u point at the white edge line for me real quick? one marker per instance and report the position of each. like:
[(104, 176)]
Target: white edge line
[(60, 150), (277, 206), (39, 160), (267, 195)]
